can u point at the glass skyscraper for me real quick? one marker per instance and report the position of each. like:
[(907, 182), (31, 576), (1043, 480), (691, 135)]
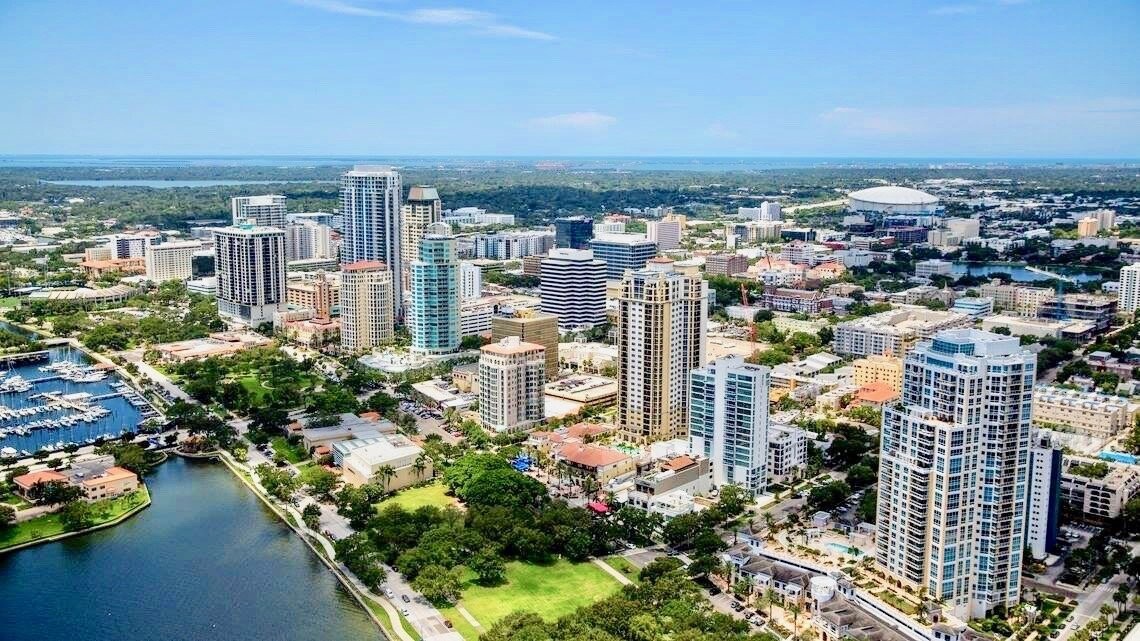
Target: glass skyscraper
[(433, 315), (728, 421)]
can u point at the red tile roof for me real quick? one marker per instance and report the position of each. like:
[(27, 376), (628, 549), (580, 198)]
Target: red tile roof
[(876, 392), (25, 481), (591, 455)]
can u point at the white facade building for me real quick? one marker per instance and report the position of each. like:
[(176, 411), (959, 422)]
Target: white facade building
[(953, 477), (574, 288), (509, 245), (470, 281), (1130, 288), (171, 261), (267, 211), (728, 421), (787, 453), (666, 233), (306, 239), (933, 267), (1043, 507), (250, 264), (512, 377), (422, 208)]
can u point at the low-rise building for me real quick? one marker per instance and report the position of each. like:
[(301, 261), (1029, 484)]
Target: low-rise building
[(933, 267), (1093, 308), (115, 481), (725, 264), (1086, 413), (393, 462), (600, 463), (875, 395), (973, 306), (803, 301), (1021, 326), (1018, 299), (1097, 490), (894, 332), (923, 293), (879, 369)]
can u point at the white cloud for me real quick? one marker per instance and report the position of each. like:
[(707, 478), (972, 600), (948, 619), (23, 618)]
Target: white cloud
[(574, 121), (954, 10), (480, 22)]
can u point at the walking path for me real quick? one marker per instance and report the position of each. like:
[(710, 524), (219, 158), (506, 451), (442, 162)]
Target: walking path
[(467, 615), (621, 578)]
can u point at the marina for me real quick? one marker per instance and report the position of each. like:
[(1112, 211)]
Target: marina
[(66, 401)]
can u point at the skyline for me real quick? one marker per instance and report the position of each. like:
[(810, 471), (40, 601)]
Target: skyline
[(278, 77)]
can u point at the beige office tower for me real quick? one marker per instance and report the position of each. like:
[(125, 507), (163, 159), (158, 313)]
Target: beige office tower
[(365, 306), (661, 338), (422, 208), (532, 327)]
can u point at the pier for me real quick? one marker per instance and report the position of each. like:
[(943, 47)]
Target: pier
[(25, 357)]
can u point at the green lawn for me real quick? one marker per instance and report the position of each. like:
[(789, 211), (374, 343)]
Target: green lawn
[(551, 591), (253, 385), (289, 452), (49, 525), (622, 564), (9, 302), (15, 501), (417, 497), (386, 621)]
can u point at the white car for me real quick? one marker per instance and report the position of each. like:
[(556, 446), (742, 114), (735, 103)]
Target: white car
[(390, 594), (404, 611)]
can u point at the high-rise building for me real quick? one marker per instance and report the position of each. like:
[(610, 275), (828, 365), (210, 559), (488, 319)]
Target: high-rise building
[(531, 327), (131, 245), (725, 264), (421, 209), (470, 281), (306, 239), (1088, 227), (1130, 288), (622, 253), (365, 306), (250, 264), (665, 233), (573, 232), (574, 288), (728, 421), (661, 338), (370, 211), (770, 211), (171, 261), (508, 245), (433, 314), (953, 470), (512, 376), (266, 211), (1043, 507)]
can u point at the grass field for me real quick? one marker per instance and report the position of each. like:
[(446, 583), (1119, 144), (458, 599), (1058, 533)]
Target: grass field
[(551, 591), (622, 564), (386, 620), (287, 451), (49, 525), (9, 302), (417, 497)]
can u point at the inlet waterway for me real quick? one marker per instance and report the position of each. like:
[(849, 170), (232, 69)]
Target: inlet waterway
[(207, 560)]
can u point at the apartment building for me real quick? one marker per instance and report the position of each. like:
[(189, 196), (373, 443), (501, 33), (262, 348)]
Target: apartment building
[(787, 453), (1092, 414), (879, 369), (725, 264), (1130, 288), (512, 375), (728, 421), (365, 306), (1096, 491), (893, 332), (513, 245), (433, 312), (265, 211), (531, 327), (250, 263), (171, 261), (421, 209), (1017, 299), (370, 211)]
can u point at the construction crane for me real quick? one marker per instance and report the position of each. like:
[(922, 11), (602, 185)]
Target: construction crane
[(1061, 280), (744, 302)]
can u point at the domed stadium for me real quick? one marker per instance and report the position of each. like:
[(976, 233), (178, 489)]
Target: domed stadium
[(893, 200)]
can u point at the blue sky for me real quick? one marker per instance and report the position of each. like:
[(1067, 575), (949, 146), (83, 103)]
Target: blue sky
[(401, 77)]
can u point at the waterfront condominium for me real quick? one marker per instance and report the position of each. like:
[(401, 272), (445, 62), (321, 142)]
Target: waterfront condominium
[(661, 338), (1130, 288), (512, 375), (365, 306), (370, 212), (728, 421), (267, 211), (250, 264), (573, 288), (622, 252), (953, 470), (433, 314), (422, 208)]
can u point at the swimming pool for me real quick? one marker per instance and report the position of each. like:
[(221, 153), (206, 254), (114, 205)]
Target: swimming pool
[(1119, 457), (845, 549)]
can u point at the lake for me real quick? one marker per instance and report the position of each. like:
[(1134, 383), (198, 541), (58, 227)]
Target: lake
[(206, 561), (1019, 274)]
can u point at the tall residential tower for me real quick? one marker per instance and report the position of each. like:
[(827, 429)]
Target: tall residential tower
[(266, 211), (370, 209), (728, 421), (365, 306), (250, 263), (433, 314)]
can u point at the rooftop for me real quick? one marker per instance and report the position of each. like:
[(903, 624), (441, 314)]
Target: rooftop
[(590, 455), (894, 195)]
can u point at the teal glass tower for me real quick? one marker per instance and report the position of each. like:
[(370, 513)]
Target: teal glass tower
[(433, 315)]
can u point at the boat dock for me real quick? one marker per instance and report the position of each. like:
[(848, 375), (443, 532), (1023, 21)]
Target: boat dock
[(26, 357)]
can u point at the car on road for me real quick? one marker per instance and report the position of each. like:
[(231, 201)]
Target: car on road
[(406, 598), (404, 611), (389, 593)]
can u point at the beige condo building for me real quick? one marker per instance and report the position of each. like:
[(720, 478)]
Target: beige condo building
[(512, 377), (365, 306), (422, 208), (531, 327), (879, 369)]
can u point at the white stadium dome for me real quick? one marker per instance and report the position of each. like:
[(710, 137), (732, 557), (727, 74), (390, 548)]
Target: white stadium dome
[(892, 200)]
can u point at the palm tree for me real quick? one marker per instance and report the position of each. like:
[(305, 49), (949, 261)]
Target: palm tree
[(420, 465), (1120, 597), (386, 472), (1108, 611), (770, 597), (796, 609)]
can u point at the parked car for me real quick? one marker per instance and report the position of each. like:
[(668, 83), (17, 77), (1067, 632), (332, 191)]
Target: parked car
[(406, 598)]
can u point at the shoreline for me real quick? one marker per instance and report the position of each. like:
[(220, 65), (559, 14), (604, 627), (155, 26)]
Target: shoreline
[(66, 535), (349, 586)]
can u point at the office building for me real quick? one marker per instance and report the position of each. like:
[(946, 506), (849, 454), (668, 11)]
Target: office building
[(316, 217), (370, 211), (573, 232), (573, 286), (433, 315), (725, 264), (305, 240), (666, 233), (250, 261), (265, 211), (770, 211), (365, 306), (531, 327), (622, 253), (661, 338), (933, 267), (728, 421), (422, 208), (202, 263), (609, 227), (1043, 506), (470, 280), (953, 471), (1130, 288), (124, 246), (171, 261), (879, 369), (512, 374)]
